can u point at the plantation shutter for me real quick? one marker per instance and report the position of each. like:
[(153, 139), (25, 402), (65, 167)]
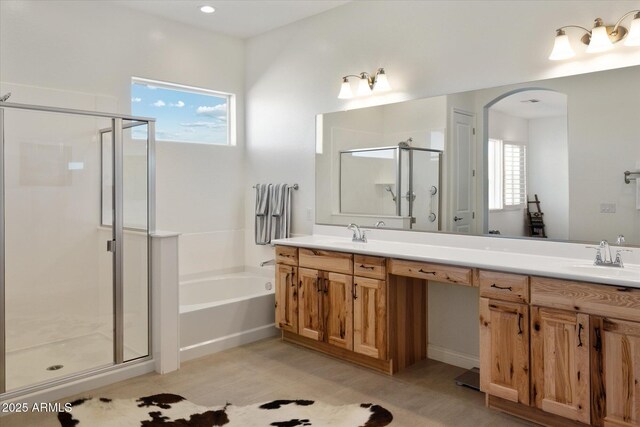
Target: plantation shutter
[(515, 187)]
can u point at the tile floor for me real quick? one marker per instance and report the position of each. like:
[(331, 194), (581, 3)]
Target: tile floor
[(422, 395)]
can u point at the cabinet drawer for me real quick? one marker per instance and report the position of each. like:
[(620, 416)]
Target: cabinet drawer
[(614, 301), (436, 272), (369, 266), (286, 255), (338, 262), (504, 286)]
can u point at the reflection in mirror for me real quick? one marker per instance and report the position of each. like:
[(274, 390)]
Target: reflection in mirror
[(400, 181), (527, 164), (543, 160)]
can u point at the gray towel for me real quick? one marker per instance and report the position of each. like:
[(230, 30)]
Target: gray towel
[(280, 211), (263, 217)]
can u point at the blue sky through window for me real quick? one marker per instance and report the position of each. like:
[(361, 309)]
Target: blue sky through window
[(181, 115)]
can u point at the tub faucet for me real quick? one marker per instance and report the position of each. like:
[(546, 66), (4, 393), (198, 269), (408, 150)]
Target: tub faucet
[(268, 262), (358, 234)]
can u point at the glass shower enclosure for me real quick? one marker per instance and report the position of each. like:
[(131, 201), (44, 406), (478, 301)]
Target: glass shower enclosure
[(76, 212), (400, 181)]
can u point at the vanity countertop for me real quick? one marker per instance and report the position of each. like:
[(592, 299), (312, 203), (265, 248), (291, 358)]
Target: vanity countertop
[(536, 265)]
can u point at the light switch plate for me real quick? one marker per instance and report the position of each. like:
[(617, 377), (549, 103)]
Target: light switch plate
[(607, 208)]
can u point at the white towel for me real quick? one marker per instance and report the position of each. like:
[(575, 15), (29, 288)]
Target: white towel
[(263, 218)]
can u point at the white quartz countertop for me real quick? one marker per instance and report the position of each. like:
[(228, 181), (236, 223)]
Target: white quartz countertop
[(580, 269)]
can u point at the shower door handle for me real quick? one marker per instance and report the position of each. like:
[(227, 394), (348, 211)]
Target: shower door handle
[(111, 246)]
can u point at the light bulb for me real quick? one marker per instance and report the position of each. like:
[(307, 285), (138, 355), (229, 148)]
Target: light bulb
[(363, 86), (345, 89), (561, 47), (381, 84), (599, 39), (633, 38), (207, 9)]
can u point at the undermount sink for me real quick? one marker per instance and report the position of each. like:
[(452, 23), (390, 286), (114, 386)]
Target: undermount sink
[(627, 272), (344, 243)]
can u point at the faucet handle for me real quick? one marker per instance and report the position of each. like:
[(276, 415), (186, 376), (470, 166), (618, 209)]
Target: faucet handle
[(620, 240), (618, 259), (598, 249)]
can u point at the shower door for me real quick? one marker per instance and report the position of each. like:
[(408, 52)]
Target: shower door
[(75, 282)]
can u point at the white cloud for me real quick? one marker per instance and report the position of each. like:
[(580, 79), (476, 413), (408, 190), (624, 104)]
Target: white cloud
[(215, 111), (178, 104), (159, 103), (136, 99), (210, 125)]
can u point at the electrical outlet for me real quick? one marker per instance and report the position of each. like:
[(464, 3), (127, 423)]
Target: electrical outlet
[(607, 208)]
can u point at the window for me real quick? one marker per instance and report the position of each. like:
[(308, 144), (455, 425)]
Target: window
[(507, 175), (183, 113)]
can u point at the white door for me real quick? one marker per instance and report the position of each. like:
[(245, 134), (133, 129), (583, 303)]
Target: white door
[(463, 146)]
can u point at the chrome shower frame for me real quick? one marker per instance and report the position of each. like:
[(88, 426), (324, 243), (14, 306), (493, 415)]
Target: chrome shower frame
[(117, 127), (399, 149)]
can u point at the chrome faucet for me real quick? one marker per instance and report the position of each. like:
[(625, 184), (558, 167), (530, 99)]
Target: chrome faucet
[(380, 224), (605, 251), (358, 234), (603, 254)]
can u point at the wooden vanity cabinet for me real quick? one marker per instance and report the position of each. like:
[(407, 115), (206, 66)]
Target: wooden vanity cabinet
[(560, 353), (326, 297), (337, 308), (287, 297), (504, 335), (370, 317), (325, 300), (310, 289), (615, 368), (504, 354)]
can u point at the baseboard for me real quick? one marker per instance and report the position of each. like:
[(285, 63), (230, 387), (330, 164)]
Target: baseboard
[(451, 357), (85, 384), (228, 341)]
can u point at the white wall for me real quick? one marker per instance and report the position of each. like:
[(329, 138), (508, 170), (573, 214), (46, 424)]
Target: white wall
[(548, 172), (293, 73), (95, 48)]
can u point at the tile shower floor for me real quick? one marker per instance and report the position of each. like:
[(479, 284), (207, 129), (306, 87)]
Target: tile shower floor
[(29, 366), (422, 395)]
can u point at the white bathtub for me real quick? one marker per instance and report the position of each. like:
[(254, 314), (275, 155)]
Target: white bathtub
[(225, 311)]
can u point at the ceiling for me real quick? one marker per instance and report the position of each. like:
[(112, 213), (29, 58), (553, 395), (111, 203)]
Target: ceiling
[(238, 18), (551, 104)]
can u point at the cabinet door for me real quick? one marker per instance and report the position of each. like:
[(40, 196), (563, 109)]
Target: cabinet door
[(615, 372), (370, 317), (560, 363), (338, 309), (310, 304), (286, 298), (504, 350)]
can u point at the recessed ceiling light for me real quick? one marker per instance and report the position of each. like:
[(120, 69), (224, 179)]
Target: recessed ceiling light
[(207, 9)]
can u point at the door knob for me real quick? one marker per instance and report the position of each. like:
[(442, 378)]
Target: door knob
[(456, 218)]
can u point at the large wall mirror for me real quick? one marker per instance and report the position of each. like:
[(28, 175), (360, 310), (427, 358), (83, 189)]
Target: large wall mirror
[(540, 160)]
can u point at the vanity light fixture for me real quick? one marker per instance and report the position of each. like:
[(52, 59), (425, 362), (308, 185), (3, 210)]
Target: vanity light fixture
[(599, 39), (367, 84)]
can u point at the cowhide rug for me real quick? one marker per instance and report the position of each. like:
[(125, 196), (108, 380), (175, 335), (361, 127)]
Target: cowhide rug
[(171, 410)]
